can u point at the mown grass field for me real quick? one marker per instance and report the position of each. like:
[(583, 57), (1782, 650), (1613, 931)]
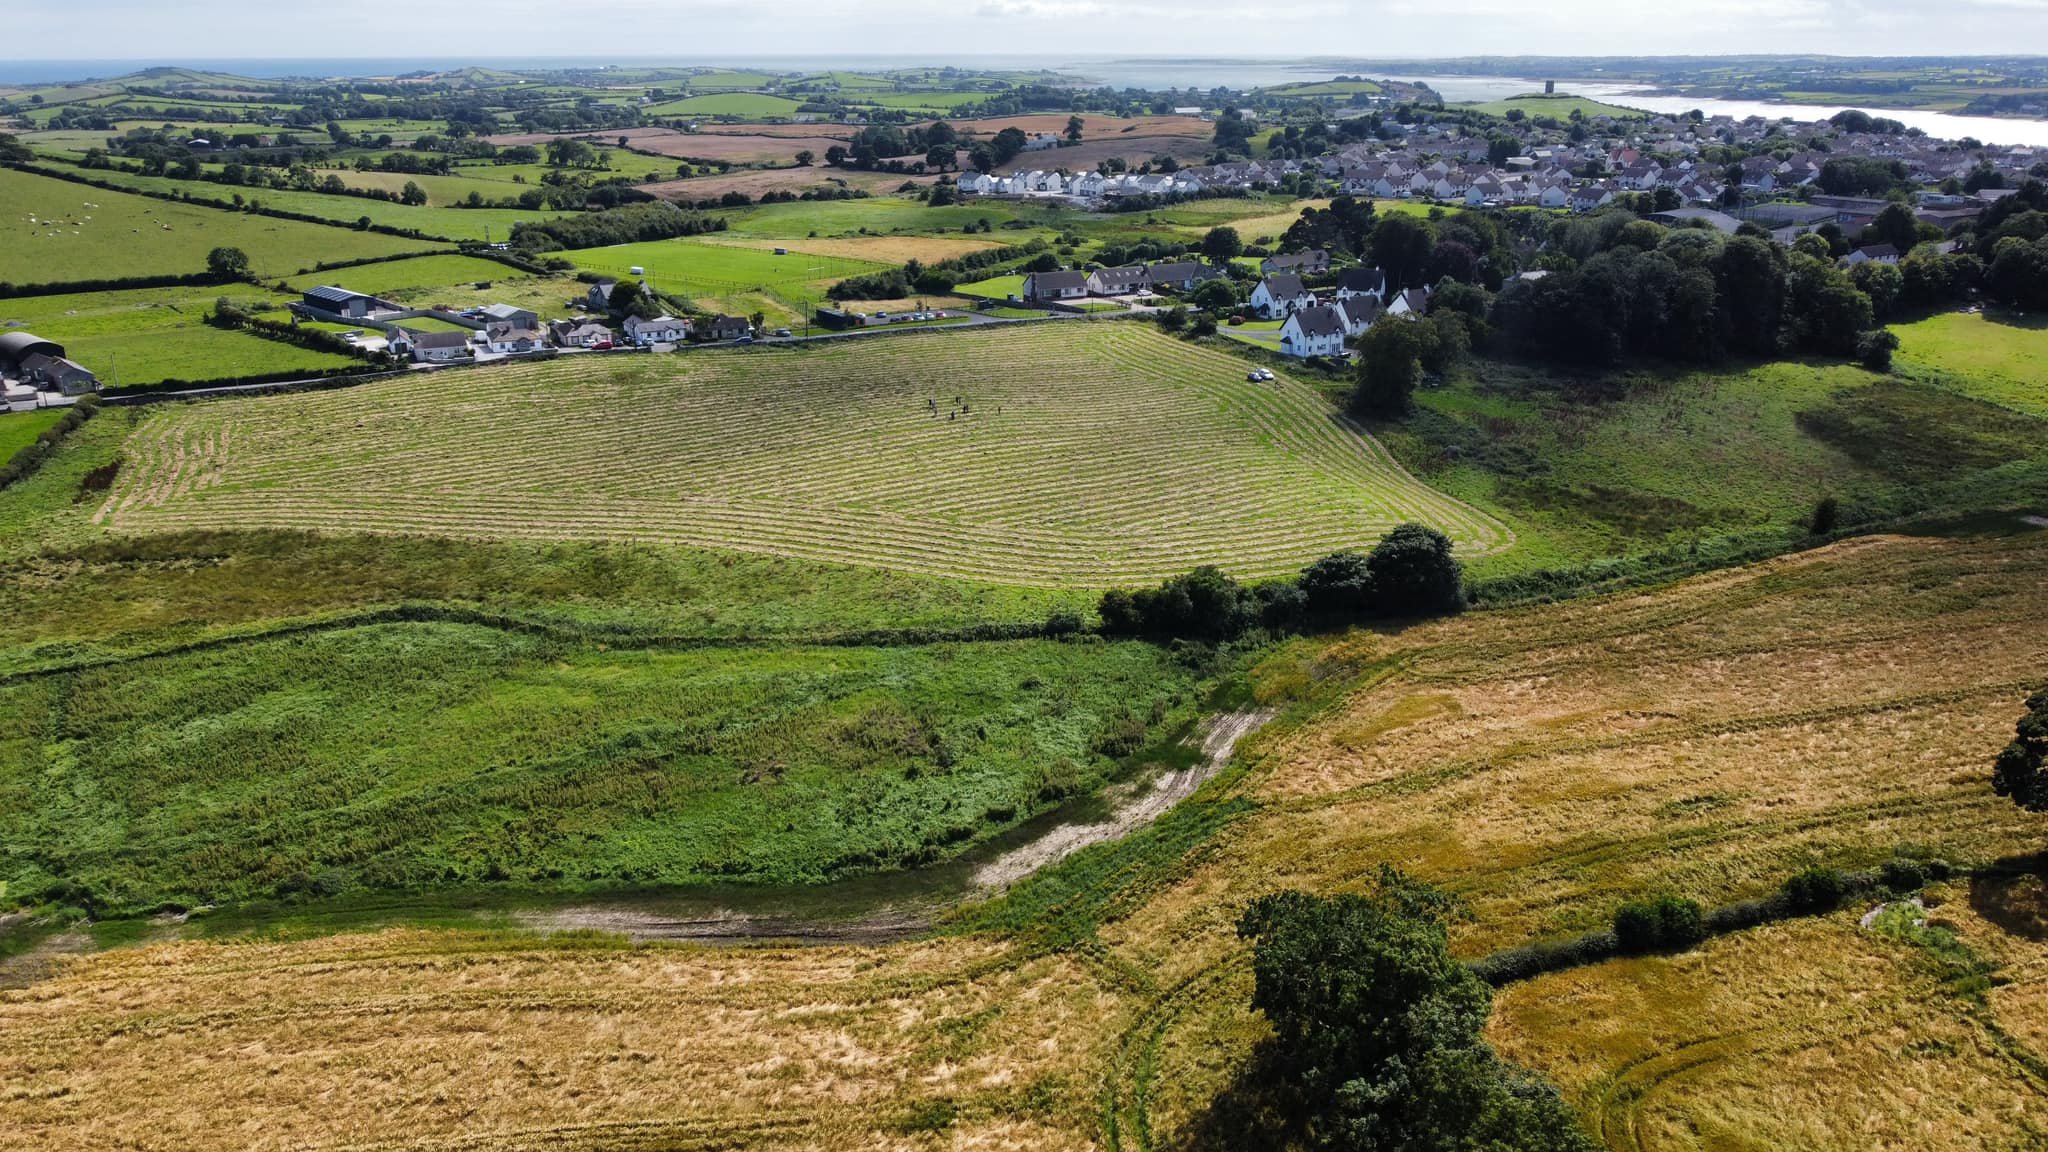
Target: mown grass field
[(1097, 455), (53, 231), (148, 335), (1544, 764), (1994, 357)]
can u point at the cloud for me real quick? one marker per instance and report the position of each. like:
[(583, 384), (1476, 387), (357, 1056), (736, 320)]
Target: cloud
[(1062, 29)]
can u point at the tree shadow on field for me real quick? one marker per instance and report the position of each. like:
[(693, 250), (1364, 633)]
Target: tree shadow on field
[(2013, 894), (2033, 321), (1249, 1115)]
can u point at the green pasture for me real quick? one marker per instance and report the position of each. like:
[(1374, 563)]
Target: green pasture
[(53, 230), (1560, 105), (144, 336), (745, 105), (1992, 356), (18, 430), (399, 277)]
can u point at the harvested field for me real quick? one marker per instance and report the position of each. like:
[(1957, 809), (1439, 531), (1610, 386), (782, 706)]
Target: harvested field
[(1048, 476), (1133, 149), (738, 149), (838, 132), (755, 182), (1094, 127)]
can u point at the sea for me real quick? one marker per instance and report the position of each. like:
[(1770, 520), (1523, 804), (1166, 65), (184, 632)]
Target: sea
[(1154, 73)]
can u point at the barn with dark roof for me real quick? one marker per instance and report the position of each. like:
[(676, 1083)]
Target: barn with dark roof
[(17, 347)]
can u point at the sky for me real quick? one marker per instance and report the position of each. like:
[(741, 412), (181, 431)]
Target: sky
[(154, 30)]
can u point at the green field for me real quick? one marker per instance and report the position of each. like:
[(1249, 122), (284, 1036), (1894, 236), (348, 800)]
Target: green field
[(18, 430), (735, 279), (399, 277), (1561, 106), (453, 223), (1989, 356), (1327, 88), (1690, 454), (1099, 454), (53, 231), (744, 105), (402, 757), (994, 288), (145, 336)]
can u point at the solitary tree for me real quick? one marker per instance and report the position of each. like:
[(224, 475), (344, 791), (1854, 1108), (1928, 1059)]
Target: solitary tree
[(1222, 245), (805, 158), (1390, 357), (939, 157), (1074, 126), (228, 263), (412, 194)]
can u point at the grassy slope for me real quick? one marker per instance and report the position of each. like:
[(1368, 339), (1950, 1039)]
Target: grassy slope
[(834, 453), (18, 430), (87, 233), (1817, 708), (1995, 357), (1685, 454), (147, 335)]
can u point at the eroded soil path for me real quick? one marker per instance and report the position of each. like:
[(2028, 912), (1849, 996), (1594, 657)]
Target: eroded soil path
[(1132, 807)]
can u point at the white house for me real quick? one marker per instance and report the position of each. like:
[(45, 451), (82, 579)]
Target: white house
[(1358, 313), (508, 339), (1056, 286), (1413, 302), (429, 347), (1361, 282), (660, 330), (1279, 294), (976, 183), (1872, 254), (1313, 331)]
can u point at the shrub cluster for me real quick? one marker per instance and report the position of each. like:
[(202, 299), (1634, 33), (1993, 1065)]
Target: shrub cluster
[(1409, 573), (631, 224), (31, 456), (1665, 924)]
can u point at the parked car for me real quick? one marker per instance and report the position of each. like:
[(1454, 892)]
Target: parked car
[(1253, 376), (784, 332), (1265, 374)]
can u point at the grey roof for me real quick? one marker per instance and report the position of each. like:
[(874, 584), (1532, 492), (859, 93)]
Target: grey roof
[(334, 295), (436, 339), (505, 311), (1297, 259), (1320, 320), (1284, 286), (1360, 309), (1363, 280), (19, 346), (1135, 274), (1175, 272), (1059, 279)]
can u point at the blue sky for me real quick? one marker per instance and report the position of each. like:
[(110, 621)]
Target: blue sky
[(212, 29)]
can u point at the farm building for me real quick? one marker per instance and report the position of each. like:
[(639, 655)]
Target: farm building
[(507, 314), (33, 360), (344, 303)]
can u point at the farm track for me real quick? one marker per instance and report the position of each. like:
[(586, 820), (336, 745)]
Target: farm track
[(1083, 456)]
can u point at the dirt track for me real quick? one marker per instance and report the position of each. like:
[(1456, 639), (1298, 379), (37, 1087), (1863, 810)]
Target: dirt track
[(1134, 807)]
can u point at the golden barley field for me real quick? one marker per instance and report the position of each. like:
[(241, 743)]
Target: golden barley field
[(1708, 738)]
